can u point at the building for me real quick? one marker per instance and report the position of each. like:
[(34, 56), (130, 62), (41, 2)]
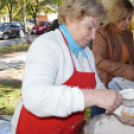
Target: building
[(48, 17)]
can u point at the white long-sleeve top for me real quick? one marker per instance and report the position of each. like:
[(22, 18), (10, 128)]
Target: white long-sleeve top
[(48, 65)]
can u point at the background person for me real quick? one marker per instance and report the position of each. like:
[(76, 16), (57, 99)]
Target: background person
[(60, 75), (106, 4), (54, 25), (113, 48)]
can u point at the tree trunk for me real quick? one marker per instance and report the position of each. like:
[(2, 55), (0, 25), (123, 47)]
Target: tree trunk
[(24, 20), (24, 16), (10, 16), (0, 17), (35, 20)]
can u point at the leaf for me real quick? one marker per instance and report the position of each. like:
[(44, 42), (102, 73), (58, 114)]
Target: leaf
[(2, 108), (9, 101), (16, 89), (9, 95), (1, 112), (5, 95), (4, 103)]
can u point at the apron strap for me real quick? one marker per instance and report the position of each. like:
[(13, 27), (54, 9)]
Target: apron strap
[(70, 51), (68, 47)]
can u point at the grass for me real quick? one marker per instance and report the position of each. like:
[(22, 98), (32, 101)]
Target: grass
[(13, 48), (10, 94), (86, 118)]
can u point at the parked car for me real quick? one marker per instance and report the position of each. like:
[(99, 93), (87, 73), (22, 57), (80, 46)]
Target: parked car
[(11, 29), (42, 27)]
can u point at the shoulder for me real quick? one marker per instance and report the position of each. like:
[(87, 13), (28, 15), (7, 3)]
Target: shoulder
[(127, 35), (52, 36), (51, 44), (51, 40), (107, 28), (127, 31), (104, 30)]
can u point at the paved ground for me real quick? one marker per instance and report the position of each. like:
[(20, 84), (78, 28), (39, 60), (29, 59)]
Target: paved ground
[(12, 41), (12, 67), (13, 61)]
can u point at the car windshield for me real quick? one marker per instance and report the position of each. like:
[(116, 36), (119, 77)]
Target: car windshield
[(19, 25), (42, 23), (4, 25)]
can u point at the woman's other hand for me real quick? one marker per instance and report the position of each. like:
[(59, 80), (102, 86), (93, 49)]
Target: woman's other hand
[(122, 119), (125, 121), (108, 99)]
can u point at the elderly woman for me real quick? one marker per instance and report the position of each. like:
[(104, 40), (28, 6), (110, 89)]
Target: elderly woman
[(60, 75), (113, 49)]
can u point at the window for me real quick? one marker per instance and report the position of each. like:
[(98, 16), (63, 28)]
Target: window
[(4, 25)]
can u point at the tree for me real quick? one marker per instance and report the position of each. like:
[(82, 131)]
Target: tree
[(3, 12), (24, 16), (9, 4), (19, 11), (34, 7)]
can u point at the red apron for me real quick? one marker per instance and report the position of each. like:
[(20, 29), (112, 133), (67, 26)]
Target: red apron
[(31, 124)]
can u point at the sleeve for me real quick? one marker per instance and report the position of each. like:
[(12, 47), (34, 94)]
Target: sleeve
[(40, 94), (102, 62), (99, 84)]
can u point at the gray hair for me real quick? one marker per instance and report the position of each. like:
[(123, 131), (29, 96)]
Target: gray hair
[(78, 8)]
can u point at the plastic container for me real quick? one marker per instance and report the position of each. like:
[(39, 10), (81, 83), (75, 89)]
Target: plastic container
[(128, 97), (125, 112)]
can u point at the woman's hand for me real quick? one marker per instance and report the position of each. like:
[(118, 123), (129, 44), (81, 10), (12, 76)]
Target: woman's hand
[(125, 121), (122, 119), (108, 99)]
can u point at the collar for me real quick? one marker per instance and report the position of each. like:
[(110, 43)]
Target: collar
[(71, 42)]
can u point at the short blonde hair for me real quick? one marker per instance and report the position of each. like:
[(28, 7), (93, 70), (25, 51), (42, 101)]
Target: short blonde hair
[(78, 8), (106, 3), (119, 9)]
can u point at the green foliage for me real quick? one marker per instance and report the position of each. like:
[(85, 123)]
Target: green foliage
[(37, 6), (13, 48), (9, 5), (86, 118), (14, 8)]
